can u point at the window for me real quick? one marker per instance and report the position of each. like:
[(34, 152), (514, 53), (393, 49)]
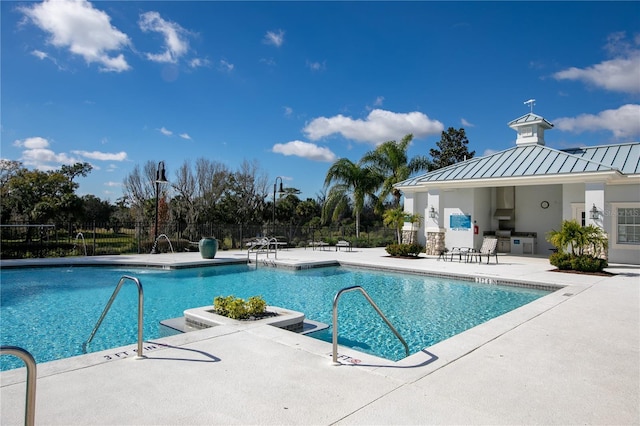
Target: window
[(628, 225)]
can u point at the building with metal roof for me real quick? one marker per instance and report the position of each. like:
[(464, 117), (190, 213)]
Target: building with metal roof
[(521, 193)]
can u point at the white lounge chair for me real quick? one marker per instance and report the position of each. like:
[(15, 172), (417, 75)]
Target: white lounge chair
[(489, 248), (343, 244)]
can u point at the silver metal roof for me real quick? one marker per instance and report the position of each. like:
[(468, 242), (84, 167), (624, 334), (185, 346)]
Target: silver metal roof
[(624, 157), (530, 118), (538, 160)]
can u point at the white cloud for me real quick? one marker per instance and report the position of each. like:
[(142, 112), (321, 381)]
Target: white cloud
[(316, 66), (288, 111), (274, 38), (465, 123), (176, 44), (165, 131), (32, 143), (378, 127), (40, 54), (185, 136), (623, 122), (619, 74), (102, 156), (226, 66), (113, 184), (197, 63), (305, 150), (379, 100), (270, 62), (85, 31)]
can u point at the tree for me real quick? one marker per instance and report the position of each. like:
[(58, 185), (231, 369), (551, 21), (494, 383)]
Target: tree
[(93, 208), (390, 160), (353, 183), (245, 195), (452, 149), (577, 239), (212, 180), (395, 218), (38, 197)]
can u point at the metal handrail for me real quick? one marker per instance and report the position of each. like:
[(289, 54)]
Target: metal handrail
[(30, 362), (372, 303), (261, 245), (110, 302)]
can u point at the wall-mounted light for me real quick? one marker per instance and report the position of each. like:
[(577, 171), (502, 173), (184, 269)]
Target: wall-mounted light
[(594, 212), (432, 212)]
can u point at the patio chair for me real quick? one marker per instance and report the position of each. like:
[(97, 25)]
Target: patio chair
[(489, 248), (460, 251), (343, 244)]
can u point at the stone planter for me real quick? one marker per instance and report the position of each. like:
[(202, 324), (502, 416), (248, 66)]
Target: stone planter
[(208, 247)]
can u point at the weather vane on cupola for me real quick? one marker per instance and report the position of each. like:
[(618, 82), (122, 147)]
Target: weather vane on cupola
[(531, 103)]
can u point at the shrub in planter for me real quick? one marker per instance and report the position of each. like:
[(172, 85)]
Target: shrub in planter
[(236, 308), (404, 250)]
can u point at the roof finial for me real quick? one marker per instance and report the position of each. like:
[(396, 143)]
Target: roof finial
[(531, 103)]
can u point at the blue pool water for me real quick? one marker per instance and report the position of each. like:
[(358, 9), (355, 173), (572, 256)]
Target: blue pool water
[(51, 311)]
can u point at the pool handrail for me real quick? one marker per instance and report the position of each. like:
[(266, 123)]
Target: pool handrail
[(263, 245), (110, 302), (373, 304), (30, 362)]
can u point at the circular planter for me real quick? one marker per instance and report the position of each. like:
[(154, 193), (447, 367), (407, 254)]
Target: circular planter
[(208, 247)]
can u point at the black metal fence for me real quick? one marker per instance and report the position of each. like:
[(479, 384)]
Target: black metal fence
[(19, 241)]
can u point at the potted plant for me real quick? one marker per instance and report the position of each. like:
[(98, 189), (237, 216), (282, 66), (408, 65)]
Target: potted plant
[(208, 247)]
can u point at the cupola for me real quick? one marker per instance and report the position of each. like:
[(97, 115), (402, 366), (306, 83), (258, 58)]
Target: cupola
[(530, 127)]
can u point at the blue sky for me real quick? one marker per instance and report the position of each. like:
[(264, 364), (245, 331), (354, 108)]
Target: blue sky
[(297, 85)]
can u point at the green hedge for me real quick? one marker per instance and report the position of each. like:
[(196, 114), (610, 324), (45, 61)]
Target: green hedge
[(405, 250), (582, 263)]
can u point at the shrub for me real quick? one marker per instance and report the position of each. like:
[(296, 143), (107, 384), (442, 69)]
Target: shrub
[(586, 263), (560, 260), (582, 263), (404, 250), (236, 308)]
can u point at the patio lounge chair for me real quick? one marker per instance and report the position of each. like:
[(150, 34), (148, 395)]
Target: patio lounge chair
[(489, 248), (460, 251), (343, 244), (321, 245)]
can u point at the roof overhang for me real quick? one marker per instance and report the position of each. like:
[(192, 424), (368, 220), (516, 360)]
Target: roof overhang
[(609, 177)]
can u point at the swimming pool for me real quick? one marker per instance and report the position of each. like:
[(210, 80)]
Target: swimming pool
[(51, 311)]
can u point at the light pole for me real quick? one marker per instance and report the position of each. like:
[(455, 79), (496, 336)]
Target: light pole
[(160, 178), (280, 191)]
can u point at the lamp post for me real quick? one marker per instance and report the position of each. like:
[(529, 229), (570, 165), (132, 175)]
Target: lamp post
[(280, 191), (160, 178)]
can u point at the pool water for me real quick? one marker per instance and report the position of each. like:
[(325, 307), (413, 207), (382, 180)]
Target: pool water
[(51, 311)]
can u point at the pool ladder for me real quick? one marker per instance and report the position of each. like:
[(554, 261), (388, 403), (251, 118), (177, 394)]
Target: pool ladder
[(30, 362), (373, 304), (110, 302), (263, 247)]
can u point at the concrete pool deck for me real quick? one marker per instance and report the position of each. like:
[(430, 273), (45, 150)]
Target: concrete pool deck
[(572, 357)]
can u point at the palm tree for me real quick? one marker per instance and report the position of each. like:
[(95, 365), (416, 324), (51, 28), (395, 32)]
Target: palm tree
[(352, 184), (390, 160), (395, 218)]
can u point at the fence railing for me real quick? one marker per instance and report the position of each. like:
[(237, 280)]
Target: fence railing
[(19, 241)]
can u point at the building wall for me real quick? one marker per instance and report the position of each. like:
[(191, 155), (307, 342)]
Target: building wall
[(482, 213), (457, 202), (532, 217), (616, 196)]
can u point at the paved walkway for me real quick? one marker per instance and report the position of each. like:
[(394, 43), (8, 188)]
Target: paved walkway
[(572, 357)]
